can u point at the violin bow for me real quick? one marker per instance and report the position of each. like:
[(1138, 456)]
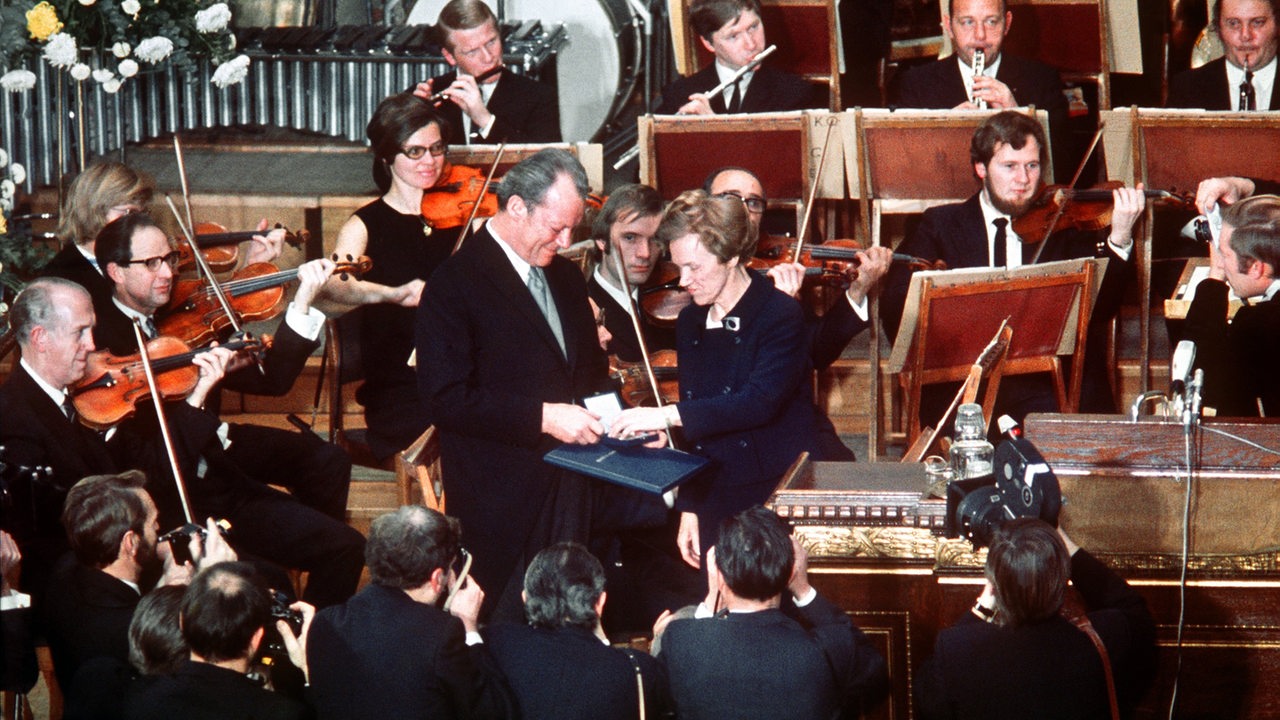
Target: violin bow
[(145, 359), (475, 207), (644, 346), (813, 191), (1062, 207)]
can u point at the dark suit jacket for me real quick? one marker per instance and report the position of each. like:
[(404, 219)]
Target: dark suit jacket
[(1238, 359), (1048, 669), (568, 674), (525, 111), (938, 85), (767, 665), (382, 655), (830, 333), (200, 691), (745, 400), (87, 616), (618, 321), (71, 265), (771, 90), (487, 361), (1205, 87)]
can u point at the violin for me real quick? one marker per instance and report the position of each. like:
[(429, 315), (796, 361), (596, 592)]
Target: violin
[(450, 202), (113, 385), (834, 262), (634, 381), (219, 246), (256, 292), (662, 298), (1059, 207)]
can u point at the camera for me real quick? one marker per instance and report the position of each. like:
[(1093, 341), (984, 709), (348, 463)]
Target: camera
[(179, 538), (1021, 485), (272, 641)]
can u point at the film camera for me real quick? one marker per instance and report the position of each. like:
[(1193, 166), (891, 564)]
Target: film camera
[(272, 641), (1021, 485), (179, 538)]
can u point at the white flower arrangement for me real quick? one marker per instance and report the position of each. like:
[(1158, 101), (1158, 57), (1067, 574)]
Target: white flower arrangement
[(18, 80), (61, 50), (231, 71), (214, 18), (154, 49)]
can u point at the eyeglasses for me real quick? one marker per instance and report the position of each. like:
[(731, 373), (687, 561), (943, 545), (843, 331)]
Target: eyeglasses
[(461, 568), (153, 263), (415, 152), (754, 204)]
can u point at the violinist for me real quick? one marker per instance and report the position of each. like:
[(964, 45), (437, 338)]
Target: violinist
[(483, 101), (1008, 152), (408, 139), (829, 334), (627, 226), (102, 193), (138, 259), (745, 397), (734, 32)]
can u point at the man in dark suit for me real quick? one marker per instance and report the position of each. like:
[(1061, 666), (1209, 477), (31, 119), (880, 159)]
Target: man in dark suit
[(733, 31), (503, 106), (1015, 655), (390, 651), (1006, 81), (560, 664), (224, 616), (1244, 77), (1007, 152), (1237, 356), (754, 661), (501, 376), (318, 473)]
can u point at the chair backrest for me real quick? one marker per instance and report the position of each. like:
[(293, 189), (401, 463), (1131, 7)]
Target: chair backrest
[(679, 152), (1070, 35), (342, 363)]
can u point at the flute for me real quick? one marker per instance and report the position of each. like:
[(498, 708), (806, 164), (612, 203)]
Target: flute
[(979, 64), (443, 95)]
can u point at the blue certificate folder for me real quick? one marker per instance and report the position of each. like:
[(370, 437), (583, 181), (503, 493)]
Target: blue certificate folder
[(654, 470)]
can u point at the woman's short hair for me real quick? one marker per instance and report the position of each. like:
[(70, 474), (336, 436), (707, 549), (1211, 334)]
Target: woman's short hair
[(94, 192), (721, 224), (1028, 566), (397, 118)]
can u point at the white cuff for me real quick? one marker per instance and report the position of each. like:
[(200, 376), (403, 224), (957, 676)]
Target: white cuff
[(1124, 253), (15, 601), (488, 127), (308, 324), (473, 638), (859, 308), (702, 612)]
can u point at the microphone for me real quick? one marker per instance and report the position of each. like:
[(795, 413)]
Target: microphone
[(1180, 368), (1009, 427), (1191, 409)]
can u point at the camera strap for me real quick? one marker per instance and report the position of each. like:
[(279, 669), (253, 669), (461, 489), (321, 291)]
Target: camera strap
[(1081, 620)]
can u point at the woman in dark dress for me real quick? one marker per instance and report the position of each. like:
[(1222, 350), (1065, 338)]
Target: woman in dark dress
[(407, 136), (745, 397)]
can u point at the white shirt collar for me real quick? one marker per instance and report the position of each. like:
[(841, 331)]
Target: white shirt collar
[(57, 395), (517, 262), (617, 294), (1272, 289), (724, 74), (88, 255), (1264, 80), (131, 313), (1013, 246)]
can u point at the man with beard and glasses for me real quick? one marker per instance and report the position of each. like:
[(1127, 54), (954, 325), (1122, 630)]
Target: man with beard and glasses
[(1008, 152)]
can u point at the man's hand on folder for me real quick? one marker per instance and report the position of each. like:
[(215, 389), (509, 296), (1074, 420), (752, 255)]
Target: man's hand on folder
[(571, 423)]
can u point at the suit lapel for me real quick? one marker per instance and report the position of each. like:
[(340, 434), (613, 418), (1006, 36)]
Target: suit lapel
[(90, 455), (497, 268)]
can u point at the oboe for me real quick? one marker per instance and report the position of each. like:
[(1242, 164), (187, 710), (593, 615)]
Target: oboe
[(979, 64)]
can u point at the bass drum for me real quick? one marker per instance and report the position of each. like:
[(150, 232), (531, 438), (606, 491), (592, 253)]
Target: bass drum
[(598, 68)]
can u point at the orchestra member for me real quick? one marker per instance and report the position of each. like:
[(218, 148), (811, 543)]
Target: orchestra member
[(745, 400), (734, 32), (627, 226), (1244, 77), (1237, 356), (507, 346), (408, 139), (504, 106), (1008, 152), (1228, 190)]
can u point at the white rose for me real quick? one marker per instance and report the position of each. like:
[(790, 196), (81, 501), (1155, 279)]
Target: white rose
[(80, 71), (4, 158), (18, 173), (111, 86), (128, 68), (7, 189), (61, 51), (154, 49), (231, 71), (121, 50), (87, 3), (102, 75), (18, 80), (131, 8), (213, 18)]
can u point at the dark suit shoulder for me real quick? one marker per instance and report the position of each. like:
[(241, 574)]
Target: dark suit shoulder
[(1204, 87), (933, 85)]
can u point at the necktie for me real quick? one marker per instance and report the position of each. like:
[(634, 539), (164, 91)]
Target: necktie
[(1248, 100), (538, 287), (999, 253), (69, 409), (150, 327), (735, 97)]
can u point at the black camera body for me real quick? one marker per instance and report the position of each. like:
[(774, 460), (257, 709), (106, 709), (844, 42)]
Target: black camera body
[(272, 641), (1021, 485), (179, 537)]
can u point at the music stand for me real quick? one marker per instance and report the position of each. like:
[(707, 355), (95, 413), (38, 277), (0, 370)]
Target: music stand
[(950, 317), (1175, 150)]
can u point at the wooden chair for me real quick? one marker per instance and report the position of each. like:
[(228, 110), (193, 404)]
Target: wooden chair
[(1070, 35), (803, 30), (420, 463), (342, 366)]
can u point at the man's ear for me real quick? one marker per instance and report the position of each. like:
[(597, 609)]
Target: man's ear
[(439, 581), (980, 170), (129, 545), (600, 603), (516, 206), (256, 641), (707, 45), (449, 58), (114, 273), (1008, 22), (1260, 270)]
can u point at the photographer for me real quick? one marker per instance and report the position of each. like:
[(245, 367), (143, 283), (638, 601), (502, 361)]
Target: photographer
[(225, 615), (1018, 655)]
